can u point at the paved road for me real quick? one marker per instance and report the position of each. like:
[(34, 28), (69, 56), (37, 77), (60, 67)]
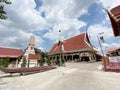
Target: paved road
[(85, 65), (87, 76), (75, 76)]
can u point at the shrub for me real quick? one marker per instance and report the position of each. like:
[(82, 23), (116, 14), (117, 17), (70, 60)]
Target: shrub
[(49, 61), (57, 62), (63, 61), (41, 62), (5, 62), (24, 62)]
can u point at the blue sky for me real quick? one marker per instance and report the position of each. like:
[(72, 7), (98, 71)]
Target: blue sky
[(44, 19)]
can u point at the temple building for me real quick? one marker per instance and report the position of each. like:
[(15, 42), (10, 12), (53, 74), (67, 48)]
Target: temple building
[(12, 54), (114, 51), (114, 54), (77, 48)]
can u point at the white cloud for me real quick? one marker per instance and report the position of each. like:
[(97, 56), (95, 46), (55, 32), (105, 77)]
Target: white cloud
[(62, 15), (108, 36), (112, 45), (105, 27), (23, 20), (70, 8), (22, 15), (115, 44), (59, 14), (94, 30), (68, 28), (109, 4), (17, 39)]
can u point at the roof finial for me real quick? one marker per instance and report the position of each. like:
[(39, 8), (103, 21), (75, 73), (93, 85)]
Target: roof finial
[(59, 35)]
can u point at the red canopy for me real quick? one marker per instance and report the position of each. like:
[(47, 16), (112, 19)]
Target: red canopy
[(114, 15)]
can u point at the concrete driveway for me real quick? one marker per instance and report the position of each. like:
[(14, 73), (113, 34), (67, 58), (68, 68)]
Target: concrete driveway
[(75, 76)]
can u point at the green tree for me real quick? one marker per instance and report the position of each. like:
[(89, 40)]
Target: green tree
[(41, 62), (57, 62), (43, 58), (48, 61), (62, 60), (2, 11), (37, 51), (5, 62), (24, 62)]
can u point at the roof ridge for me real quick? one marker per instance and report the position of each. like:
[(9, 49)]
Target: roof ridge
[(85, 40), (74, 36), (11, 48), (70, 38)]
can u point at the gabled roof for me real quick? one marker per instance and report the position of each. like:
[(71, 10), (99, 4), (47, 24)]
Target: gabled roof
[(10, 52), (110, 50), (34, 57), (114, 15), (75, 43)]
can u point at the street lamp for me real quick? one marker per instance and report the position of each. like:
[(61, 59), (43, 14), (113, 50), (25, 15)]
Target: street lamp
[(99, 40), (60, 44)]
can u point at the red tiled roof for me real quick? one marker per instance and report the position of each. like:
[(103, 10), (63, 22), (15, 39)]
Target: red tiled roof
[(113, 49), (34, 57), (116, 12), (74, 43), (10, 52), (114, 16)]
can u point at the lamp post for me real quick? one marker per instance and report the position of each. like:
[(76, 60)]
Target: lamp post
[(103, 59), (60, 44), (100, 42)]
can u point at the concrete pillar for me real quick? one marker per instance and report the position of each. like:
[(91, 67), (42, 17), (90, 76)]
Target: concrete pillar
[(72, 57), (79, 57), (16, 63)]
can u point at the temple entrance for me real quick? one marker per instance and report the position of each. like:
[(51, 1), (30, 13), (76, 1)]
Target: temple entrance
[(76, 58), (85, 58), (69, 58)]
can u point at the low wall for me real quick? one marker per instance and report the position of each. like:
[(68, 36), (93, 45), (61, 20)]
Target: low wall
[(114, 59)]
